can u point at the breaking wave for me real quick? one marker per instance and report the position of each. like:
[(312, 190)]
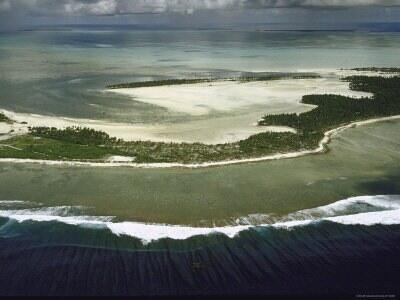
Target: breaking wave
[(364, 210)]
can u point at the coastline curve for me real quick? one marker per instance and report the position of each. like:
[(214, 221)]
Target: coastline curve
[(328, 135)]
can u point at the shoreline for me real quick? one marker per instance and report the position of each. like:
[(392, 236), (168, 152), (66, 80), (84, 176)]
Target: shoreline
[(328, 135), (156, 132), (284, 97)]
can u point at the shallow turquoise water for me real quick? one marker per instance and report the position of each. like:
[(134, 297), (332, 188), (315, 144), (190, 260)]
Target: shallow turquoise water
[(362, 161), (64, 72), (50, 243)]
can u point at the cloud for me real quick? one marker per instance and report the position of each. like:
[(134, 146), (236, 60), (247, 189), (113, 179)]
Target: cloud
[(318, 3), (102, 7), (116, 7), (5, 5)]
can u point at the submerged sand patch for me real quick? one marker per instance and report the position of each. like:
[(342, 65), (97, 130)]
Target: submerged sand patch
[(213, 131), (218, 112), (225, 96)]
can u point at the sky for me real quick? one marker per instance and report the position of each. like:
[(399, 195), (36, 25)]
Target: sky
[(16, 14)]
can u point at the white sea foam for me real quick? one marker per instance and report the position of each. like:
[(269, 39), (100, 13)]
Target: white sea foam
[(103, 46), (116, 159), (387, 217), (381, 201), (349, 206), (13, 202), (383, 210), (5, 204), (145, 232)]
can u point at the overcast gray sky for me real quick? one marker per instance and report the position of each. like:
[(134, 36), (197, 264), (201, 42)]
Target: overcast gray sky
[(23, 13)]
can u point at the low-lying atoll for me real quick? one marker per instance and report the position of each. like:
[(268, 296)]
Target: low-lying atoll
[(330, 112)]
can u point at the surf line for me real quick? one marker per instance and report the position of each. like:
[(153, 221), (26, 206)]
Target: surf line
[(386, 212)]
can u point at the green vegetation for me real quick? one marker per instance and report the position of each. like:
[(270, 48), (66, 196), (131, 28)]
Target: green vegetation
[(158, 83), (75, 135), (28, 146), (277, 76), (97, 144), (331, 111), (4, 118), (244, 78), (376, 69)]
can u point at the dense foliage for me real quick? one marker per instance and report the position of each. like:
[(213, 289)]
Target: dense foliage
[(277, 76), (76, 135), (375, 69), (157, 83), (243, 78), (331, 111), (4, 118), (31, 147)]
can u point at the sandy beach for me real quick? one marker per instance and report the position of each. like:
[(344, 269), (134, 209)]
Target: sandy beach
[(211, 131), (203, 98), (278, 96), (218, 112), (127, 161)]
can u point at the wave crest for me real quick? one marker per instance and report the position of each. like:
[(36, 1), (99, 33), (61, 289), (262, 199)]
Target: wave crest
[(364, 210)]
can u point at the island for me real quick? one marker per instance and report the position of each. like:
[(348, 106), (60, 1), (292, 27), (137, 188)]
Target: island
[(241, 78), (4, 118), (312, 130)]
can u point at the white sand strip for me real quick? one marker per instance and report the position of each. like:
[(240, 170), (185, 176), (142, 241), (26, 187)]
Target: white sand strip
[(8, 131), (224, 96), (239, 105), (209, 131), (320, 149)]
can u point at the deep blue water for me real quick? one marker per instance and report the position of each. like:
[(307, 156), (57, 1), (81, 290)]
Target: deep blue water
[(64, 72), (322, 258)]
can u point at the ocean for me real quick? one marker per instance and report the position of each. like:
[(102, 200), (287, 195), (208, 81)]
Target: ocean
[(321, 224), (354, 254)]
